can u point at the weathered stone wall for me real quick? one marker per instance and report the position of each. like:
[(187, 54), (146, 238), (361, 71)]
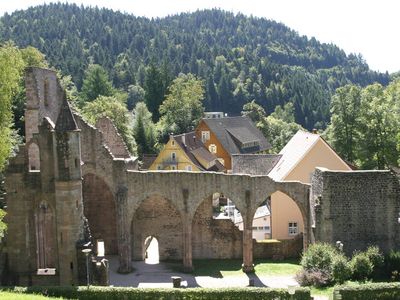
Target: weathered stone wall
[(157, 217), (214, 238), (358, 208), (282, 249), (99, 209)]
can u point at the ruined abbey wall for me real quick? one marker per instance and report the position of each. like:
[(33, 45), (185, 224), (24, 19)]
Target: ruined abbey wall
[(358, 208)]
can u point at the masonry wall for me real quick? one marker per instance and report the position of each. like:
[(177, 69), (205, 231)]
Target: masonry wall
[(278, 250), (157, 217), (214, 238), (358, 208)]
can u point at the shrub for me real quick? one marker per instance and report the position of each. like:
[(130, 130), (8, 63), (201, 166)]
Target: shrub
[(375, 256), (369, 291), (392, 263), (313, 278), (110, 293), (361, 266), (341, 270), (319, 256)]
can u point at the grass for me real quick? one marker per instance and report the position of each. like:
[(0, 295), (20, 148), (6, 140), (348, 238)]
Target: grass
[(20, 296), (233, 267)]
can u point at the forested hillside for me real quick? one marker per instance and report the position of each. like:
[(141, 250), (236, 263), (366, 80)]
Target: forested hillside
[(239, 58)]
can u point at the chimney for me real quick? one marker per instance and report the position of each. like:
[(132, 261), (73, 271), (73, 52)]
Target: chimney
[(183, 139), (194, 139), (315, 131)]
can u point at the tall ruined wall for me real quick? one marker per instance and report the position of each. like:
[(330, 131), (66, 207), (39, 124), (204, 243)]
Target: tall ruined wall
[(214, 238), (358, 208)]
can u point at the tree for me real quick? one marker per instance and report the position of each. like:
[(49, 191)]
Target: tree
[(95, 84), (183, 106), (144, 130), (135, 94), (112, 108), (154, 91), (12, 66), (343, 131), (254, 111)]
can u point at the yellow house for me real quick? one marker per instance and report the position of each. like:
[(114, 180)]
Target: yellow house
[(186, 152), (299, 158)]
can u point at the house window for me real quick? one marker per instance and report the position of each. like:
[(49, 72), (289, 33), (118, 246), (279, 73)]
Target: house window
[(222, 161), (173, 156), (189, 168), (293, 228), (173, 168), (212, 148), (205, 136), (173, 143), (158, 167)]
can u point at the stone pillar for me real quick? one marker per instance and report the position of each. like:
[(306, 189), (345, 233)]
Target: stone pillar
[(248, 265), (187, 245), (187, 235), (124, 237)]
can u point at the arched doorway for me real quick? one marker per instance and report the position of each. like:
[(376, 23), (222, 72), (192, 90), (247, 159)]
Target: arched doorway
[(99, 209), (45, 237), (152, 255), (157, 217)]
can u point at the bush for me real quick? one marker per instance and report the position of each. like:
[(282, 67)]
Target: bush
[(361, 266), (313, 278), (392, 265), (319, 256), (375, 256), (369, 291), (341, 270), (110, 293)]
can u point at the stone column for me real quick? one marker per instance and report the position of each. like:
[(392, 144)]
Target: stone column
[(187, 234), (124, 237), (248, 265)]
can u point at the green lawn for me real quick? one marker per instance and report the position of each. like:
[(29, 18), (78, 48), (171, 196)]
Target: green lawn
[(233, 267), (20, 296)]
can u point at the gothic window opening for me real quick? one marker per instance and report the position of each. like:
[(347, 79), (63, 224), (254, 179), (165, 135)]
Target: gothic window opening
[(45, 237)]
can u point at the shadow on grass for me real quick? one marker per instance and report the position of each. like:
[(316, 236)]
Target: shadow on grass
[(214, 267)]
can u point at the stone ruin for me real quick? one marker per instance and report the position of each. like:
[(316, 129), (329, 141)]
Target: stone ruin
[(69, 173)]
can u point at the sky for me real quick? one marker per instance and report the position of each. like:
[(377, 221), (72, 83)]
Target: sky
[(369, 27)]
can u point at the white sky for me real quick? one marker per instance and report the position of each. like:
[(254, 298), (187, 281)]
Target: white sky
[(369, 27)]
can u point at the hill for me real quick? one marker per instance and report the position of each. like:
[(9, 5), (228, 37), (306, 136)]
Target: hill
[(240, 58)]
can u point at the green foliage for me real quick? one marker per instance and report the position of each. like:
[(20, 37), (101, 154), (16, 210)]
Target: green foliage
[(341, 270), (240, 58), (365, 125), (112, 108), (12, 65), (144, 130), (392, 265), (183, 107), (361, 266), (135, 95), (110, 293), (319, 256), (95, 84), (369, 291)]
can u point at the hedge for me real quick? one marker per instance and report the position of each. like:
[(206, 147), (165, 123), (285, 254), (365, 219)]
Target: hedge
[(109, 293), (368, 291)]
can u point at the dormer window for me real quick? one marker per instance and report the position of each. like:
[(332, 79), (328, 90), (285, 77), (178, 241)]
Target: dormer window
[(205, 136), (212, 148)]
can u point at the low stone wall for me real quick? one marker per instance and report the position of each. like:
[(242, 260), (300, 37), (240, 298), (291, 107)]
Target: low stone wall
[(279, 249)]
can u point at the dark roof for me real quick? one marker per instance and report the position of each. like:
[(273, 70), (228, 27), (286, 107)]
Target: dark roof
[(233, 132), (65, 119), (195, 150), (147, 161), (254, 164)]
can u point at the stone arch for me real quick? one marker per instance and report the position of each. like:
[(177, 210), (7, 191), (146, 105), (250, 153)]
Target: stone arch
[(100, 210), (34, 156), (214, 238), (45, 236), (159, 217), (298, 193)]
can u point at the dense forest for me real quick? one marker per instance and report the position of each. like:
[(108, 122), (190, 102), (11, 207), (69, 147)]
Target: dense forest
[(239, 58)]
